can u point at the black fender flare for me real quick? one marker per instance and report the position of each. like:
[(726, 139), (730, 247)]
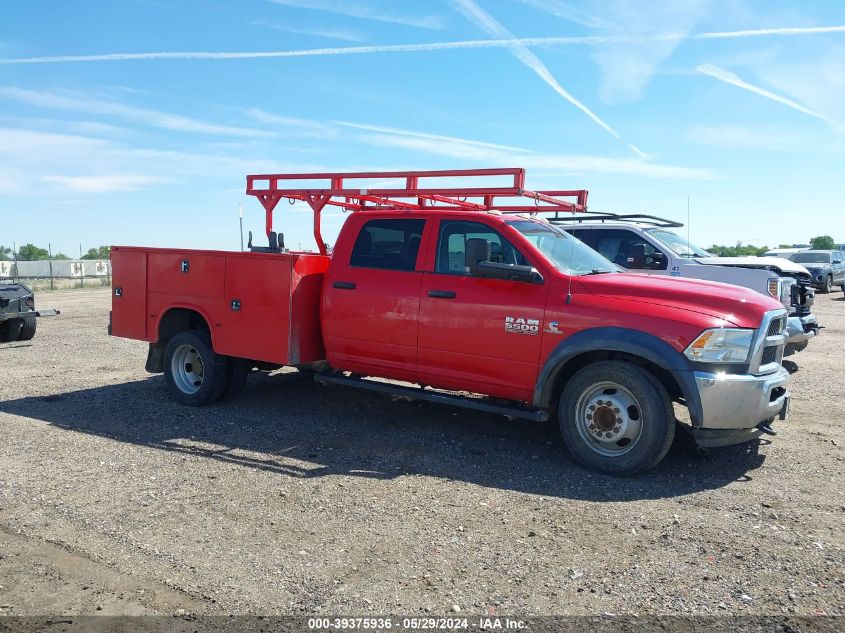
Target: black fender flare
[(622, 340)]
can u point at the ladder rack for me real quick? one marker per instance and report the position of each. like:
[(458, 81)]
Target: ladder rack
[(334, 188)]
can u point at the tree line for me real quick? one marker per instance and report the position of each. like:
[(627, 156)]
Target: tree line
[(820, 242), (31, 252)]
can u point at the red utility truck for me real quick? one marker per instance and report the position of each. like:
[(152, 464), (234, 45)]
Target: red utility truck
[(462, 288)]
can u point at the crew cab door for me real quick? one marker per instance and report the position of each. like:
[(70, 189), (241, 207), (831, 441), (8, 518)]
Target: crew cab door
[(478, 334), (372, 297)]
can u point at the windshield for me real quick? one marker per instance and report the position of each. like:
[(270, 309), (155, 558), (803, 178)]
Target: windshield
[(677, 244), (811, 258), (566, 253)]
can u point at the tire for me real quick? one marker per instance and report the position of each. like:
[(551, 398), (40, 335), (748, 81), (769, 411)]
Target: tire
[(239, 369), (30, 324), (637, 422), (10, 330), (189, 383), (828, 285)]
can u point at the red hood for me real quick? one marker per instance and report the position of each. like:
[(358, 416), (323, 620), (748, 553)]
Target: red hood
[(740, 306)]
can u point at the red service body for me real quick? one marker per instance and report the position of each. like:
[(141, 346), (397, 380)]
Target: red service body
[(463, 288)]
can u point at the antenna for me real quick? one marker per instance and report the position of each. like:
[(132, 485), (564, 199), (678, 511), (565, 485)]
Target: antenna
[(688, 248), (571, 255)]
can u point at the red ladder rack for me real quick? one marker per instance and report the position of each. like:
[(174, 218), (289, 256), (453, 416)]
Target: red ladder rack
[(415, 196)]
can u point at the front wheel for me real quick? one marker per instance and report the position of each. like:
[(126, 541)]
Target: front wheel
[(616, 417), (195, 374), (828, 285)]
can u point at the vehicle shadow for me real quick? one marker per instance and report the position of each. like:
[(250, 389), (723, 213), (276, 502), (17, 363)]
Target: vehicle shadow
[(289, 425)]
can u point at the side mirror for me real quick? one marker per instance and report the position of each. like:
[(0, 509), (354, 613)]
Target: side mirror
[(477, 250)]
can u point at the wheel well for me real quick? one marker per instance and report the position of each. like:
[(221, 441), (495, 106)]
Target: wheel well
[(174, 321), (580, 361), (178, 320)]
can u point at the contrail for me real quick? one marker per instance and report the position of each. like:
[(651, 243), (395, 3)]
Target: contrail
[(488, 23), (731, 78), (509, 42)]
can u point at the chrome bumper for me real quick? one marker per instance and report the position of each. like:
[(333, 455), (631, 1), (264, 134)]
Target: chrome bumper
[(800, 329), (741, 401)]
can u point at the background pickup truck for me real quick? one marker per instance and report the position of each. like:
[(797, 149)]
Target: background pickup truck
[(645, 244), (460, 289), (18, 314)]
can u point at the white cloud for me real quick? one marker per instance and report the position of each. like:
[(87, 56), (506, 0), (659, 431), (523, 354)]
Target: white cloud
[(143, 116), (423, 47), (426, 136), (488, 23), (745, 137), (506, 156), (627, 67), (817, 80), (334, 33), (733, 79), (566, 11), (363, 11), (301, 127), (104, 184)]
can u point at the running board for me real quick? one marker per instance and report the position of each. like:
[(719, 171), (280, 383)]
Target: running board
[(536, 415)]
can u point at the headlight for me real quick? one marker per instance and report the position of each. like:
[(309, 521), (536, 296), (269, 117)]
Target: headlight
[(721, 345), (774, 287)]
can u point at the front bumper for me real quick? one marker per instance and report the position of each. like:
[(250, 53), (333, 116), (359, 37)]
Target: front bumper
[(801, 329), (741, 401)]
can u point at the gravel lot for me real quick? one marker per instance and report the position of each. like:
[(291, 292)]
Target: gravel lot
[(297, 498)]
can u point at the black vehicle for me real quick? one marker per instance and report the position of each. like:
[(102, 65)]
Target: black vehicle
[(18, 314)]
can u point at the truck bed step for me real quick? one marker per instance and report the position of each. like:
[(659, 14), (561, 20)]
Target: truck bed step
[(412, 393)]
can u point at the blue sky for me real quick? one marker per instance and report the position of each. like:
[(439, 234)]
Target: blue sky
[(136, 121)]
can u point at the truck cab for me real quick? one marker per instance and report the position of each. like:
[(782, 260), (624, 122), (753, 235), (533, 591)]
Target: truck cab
[(458, 295), (649, 245)]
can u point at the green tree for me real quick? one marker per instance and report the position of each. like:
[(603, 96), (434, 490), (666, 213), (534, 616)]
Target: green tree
[(29, 252), (823, 243), (737, 251), (97, 253), (60, 256), (5, 252)]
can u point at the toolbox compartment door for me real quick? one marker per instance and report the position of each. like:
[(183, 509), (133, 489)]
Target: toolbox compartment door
[(129, 293)]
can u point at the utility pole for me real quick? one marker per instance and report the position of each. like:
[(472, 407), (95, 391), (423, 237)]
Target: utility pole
[(50, 253), (241, 220)]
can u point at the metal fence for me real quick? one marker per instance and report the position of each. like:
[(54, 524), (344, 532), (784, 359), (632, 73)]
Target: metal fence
[(47, 269)]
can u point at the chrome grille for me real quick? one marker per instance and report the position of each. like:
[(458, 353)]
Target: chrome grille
[(776, 326), (770, 355), (769, 343)]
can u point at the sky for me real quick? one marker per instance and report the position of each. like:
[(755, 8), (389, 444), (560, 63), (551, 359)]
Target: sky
[(135, 122)]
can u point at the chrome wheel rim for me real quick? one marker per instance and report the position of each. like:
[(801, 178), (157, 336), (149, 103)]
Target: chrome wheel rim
[(187, 369), (609, 419)]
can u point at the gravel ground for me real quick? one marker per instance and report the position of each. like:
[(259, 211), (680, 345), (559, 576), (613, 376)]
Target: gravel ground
[(297, 498)]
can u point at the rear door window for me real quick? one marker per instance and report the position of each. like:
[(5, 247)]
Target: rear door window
[(390, 244)]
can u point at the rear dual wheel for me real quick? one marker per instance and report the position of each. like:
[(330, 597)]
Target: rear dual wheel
[(196, 375), (616, 417)]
